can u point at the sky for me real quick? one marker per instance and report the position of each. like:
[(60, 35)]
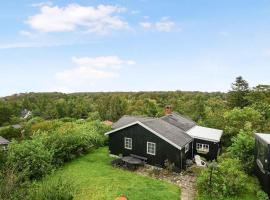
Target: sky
[(132, 45)]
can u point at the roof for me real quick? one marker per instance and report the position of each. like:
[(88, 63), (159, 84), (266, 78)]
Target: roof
[(169, 131), (16, 126), (3, 141), (264, 136), (172, 134), (179, 121), (126, 119), (204, 133)]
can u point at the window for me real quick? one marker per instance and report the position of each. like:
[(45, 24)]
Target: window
[(202, 147), (186, 148), (128, 143), (261, 155), (151, 148)]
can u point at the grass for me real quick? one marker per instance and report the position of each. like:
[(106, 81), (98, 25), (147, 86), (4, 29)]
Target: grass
[(95, 179)]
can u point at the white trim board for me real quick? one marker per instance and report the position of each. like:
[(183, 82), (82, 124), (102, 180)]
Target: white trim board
[(149, 129)]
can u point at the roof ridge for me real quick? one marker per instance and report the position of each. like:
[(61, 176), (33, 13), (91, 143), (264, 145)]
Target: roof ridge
[(139, 116)]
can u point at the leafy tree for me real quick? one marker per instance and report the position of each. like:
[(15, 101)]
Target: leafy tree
[(215, 108), (227, 179), (5, 113), (236, 119), (237, 96), (242, 148)]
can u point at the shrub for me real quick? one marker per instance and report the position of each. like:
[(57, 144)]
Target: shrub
[(13, 185), (56, 190), (223, 180), (261, 195), (9, 132), (243, 148), (31, 157)]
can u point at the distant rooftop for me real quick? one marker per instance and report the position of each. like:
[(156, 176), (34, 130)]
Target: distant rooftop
[(3, 141)]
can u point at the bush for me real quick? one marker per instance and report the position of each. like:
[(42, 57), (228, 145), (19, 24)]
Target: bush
[(30, 157), (72, 140), (223, 180), (9, 132), (57, 190), (13, 185), (242, 148), (261, 195)]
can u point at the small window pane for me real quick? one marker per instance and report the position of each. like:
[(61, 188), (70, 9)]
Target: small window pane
[(202, 147), (151, 148), (128, 143)]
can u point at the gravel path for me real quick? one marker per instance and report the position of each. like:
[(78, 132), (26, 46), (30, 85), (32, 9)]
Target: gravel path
[(187, 185)]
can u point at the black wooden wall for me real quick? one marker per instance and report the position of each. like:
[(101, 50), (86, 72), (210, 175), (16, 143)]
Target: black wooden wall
[(140, 136), (213, 149), (263, 176)]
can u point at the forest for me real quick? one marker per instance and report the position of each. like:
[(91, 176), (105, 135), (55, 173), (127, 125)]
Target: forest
[(72, 125)]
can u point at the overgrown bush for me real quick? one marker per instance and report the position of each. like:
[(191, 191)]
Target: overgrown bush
[(13, 185), (9, 132), (242, 148), (227, 179), (261, 195), (56, 190), (31, 157)]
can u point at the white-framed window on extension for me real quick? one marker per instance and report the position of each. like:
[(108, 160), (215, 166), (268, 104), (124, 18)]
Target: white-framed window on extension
[(186, 148), (202, 147), (151, 148), (128, 143)]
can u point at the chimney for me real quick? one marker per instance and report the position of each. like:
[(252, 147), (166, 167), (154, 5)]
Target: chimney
[(168, 110)]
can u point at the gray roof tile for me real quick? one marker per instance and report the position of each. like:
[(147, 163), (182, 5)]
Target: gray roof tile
[(167, 130), (179, 121)]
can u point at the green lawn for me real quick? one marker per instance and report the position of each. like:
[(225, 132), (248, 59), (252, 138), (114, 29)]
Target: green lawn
[(96, 179)]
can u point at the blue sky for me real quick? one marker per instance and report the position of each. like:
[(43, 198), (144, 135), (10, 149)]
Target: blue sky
[(128, 45)]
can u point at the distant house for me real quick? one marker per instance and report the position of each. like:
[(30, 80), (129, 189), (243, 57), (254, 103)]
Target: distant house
[(262, 160), (25, 114), (3, 143), (16, 126), (173, 137)]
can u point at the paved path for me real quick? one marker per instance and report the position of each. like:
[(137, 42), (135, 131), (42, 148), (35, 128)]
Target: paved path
[(187, 184)]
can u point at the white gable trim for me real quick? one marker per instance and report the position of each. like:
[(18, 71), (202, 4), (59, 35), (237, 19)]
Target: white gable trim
[(149, 129), (206, 139)]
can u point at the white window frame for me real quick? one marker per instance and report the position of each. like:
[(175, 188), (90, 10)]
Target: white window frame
[(128, 143), (152, 147), (202, 147), (186, 148)]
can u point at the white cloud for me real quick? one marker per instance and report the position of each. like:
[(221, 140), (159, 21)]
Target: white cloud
[(27, 34), (90, 69), (20, 45), (47, 3), (98, 19), (146, 25), (163, 25)]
